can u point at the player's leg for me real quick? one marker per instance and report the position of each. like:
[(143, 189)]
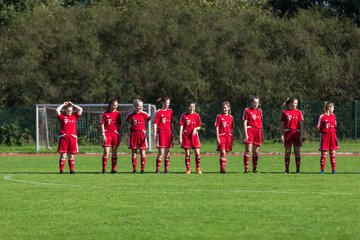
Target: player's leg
[(297, 159), (159, 159), (223, 154), (105, 158), (197, 160), (255, 157), (167, 159), (322, 162), (287, 158), (187, 160), (62, 162), (71, 163), (333, 161), (247, 152), (143, 160), (133, 159), (114, 158)]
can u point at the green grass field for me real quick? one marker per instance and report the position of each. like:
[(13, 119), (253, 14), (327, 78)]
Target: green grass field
[(38, 203)]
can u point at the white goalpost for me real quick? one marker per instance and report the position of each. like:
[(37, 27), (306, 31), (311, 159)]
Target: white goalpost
[(88, 125)]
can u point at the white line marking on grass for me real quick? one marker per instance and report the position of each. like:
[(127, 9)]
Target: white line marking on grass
[(10, 178)]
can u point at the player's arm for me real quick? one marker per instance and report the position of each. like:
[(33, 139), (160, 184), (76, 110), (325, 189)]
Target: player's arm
[(103, 132), (282, 128), (245, 129), (78, 108), (217, 135), (196, 129), (58, 109), (181, 133)]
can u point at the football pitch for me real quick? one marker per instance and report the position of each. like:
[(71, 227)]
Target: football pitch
[(38, 203)]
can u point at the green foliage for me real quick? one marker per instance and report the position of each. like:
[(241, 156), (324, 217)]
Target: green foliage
[(12, 134)]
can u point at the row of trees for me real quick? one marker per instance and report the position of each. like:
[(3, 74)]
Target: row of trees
[(204, 50)]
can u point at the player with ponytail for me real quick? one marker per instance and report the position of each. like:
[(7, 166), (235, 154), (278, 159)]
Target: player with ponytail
[(292, 131), (328, 139), (163, 133)]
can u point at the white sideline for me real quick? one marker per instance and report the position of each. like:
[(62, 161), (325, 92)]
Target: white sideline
[(11, 179)]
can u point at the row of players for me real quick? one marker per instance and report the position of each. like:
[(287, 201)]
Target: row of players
[(291, 125)]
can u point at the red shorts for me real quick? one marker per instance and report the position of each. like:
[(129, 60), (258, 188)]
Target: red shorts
[(226, 141), (328, 141), (112, 139), (138, 140), (292, 137), (254, 136), (190, 141), (68, 144), (164, 139)]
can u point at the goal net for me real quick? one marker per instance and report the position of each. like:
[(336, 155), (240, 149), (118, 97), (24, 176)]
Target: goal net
[(88, 125)]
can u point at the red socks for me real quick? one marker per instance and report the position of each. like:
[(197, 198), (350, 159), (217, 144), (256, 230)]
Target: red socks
[(167, 163), (134, 163), (254, 162), (197, 161), (72, 164), (246, 161), (187, 163), (158, 164), (222, 164), (323, 161), (113, 163), (333, 162), (143, 163), (62, 162), (297, 161), (104, 162), (287, 162)]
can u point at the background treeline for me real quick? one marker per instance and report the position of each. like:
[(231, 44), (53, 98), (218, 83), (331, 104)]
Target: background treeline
[(203, 50)]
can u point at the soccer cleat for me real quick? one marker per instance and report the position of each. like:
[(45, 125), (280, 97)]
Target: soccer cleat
[(188, 171), (333, 171), (322, 172), (254, 171), (286, 172), (297, 172), (134, 171), (103, 171), (198, 170), (157, 172), (246, 171), (222, 171), (61, 172), (113, 171), (142, 172), (72, 172), (166, 172)]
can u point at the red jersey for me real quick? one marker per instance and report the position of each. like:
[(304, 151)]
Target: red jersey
[(138, 121), (190, 121), (164, 119), (225, 123), (327, 123), (253, 117), (291, 118), (68, 123), (111, 120)]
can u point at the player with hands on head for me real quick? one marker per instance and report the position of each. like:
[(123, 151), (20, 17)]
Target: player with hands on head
[(111, 134), (190, 124), (138, 120), (328, 139), (163, 133), (252, 118), (68, 145), (224, 126), (292, 131)]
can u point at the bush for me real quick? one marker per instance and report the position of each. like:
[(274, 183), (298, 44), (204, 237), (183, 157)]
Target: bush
[(12, 134)]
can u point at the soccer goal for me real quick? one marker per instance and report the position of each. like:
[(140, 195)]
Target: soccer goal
[(88, 125)]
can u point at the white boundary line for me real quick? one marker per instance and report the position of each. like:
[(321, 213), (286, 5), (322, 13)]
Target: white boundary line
[(11, 179)]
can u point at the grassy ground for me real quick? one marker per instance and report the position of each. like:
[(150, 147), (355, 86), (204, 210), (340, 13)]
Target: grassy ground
[(207, 147), (38, 203)]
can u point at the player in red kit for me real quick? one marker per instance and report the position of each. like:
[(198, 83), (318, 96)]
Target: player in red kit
[(328, 139), (252, 118), (292, 129), (163, 129), (138, 120), (110, 127), (67, 135), (224, 126), (190, 124)]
